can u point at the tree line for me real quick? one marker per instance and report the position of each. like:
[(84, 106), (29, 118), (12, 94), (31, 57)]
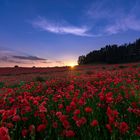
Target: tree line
[(113, 54)]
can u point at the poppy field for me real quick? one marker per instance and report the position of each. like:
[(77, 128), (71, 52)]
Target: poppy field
[(81, 103)]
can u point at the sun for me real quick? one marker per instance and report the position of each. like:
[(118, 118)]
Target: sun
[(72, 65)]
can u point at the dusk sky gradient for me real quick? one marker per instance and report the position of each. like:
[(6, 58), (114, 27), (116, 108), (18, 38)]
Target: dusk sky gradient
[(56, 32)]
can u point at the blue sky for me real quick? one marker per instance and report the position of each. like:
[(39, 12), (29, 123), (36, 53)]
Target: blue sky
[(56, 32)]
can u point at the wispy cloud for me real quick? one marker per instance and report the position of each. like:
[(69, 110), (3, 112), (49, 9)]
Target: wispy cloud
[(128, 23), (113, 17), (98, 10), (6, 59), (104, 17), (34, 58), (11, 58), (60, 28), (60, 62)]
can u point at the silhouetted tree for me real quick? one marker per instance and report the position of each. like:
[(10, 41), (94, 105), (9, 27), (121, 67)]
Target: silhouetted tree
[(113, 54), (16, 66), (81, 60)]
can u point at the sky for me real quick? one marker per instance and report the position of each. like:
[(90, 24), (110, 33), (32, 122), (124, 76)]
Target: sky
[(47, 33)]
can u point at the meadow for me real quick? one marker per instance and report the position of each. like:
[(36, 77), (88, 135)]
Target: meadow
[(93, 102)]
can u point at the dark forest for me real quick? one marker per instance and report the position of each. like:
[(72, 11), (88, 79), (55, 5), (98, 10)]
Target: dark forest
[(112, 54)]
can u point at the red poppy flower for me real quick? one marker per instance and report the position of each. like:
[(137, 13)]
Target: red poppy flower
[(94, 123), (16, 118), (70, 133), (4, 134), (24, 132), (60, 106), (41, 127), (55, 124), (137, 132), (109, 128), (81, 122), (88, 109), (9, 125), (66, 124), (32, 129), (123, 127), (76, 112)]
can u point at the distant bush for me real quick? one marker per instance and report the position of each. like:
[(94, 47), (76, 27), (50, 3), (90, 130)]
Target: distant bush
[(16, 66), (138, 65), (113, 68), (122, 66), (103, 68), (15, 85), (21, 83), (113, 54), (135, 66), (40, 79), (78, 74), (1, 84), (89, 72)]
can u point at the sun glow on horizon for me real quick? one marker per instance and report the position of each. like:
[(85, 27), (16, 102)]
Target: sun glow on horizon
[(71, 62), (72, 65)]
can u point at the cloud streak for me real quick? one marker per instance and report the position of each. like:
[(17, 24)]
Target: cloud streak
[(60, 28), (99, 10), (104, 17), (128, 23), (11, 58), (35, 58), (115, 18)]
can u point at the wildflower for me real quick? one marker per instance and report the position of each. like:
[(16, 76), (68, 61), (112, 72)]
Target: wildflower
[(81, 101), (70, 133), (66, 124), (109, 97), (123, 127), (109, 128), (55, 124), (68, 109), (81, 122), (88, 109), (60, 106), (101, 96), (32, 129), (94, 123), (9, 125), (73, 105), (4, 134), (75, 118), (42, 109), (16, 118), (3, 131), (59, 114), (137, 131), (76, 112), (41, 127), (24, 132)]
